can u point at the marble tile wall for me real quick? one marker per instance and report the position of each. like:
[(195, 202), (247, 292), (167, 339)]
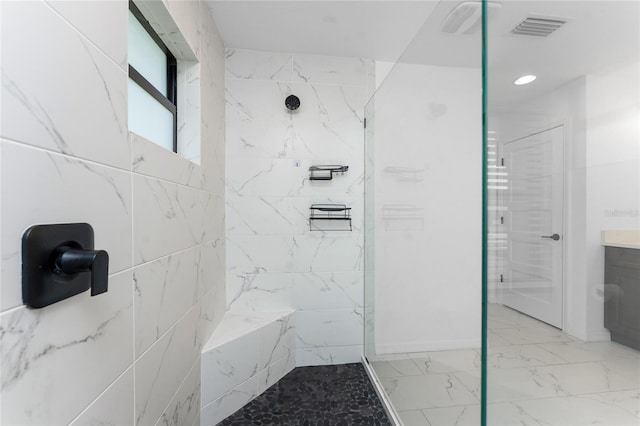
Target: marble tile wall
[(245, 356), (131, 355), (274, 261)]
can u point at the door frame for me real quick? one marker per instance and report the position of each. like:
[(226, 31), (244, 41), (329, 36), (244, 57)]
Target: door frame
[(566, 189)]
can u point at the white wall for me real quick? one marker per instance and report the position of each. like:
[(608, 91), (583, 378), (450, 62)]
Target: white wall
[(274, 261), (601, 115), (132, 355), (427, 203)]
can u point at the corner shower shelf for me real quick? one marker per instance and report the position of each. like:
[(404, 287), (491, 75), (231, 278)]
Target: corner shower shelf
[(325, 172), (330, 212)]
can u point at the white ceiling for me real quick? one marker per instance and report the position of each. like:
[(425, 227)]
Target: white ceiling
[(598, 34), (367, 29)]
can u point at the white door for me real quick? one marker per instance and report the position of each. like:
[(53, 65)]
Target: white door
[(533, 219)]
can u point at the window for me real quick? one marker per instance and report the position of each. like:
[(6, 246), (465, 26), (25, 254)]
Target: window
[(152, 84)]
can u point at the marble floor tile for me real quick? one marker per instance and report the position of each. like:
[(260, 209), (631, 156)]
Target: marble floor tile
[(537, 375), (413, 418), (428, 391), (396, 368), (564, 411), (465, 415), (447, 361), (521, 356), (590, 351), (582, 378), (627, 400), (529, 335)]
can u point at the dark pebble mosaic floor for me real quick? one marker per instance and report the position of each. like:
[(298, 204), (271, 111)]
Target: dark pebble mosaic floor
[(316, 396)]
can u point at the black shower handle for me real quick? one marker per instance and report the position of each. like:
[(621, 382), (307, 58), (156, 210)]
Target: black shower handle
[(72, 261)]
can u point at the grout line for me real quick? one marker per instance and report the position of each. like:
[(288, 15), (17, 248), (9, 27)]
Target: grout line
[(26, 145), (93, 401), (170, 329), (182, 383), (85, 37)]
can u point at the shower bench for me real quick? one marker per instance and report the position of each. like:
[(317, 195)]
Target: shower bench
[(246, 354)]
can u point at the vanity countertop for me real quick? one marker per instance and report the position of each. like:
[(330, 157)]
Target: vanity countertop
[(627, 238)]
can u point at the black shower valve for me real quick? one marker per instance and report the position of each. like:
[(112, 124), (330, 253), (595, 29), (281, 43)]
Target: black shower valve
[(59, 261)]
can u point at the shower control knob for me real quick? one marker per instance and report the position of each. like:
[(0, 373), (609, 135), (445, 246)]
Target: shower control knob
[(59, 261), (73, 261), (554, 237)]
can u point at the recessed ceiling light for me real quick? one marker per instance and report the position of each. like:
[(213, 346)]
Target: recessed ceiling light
[(525, 79)]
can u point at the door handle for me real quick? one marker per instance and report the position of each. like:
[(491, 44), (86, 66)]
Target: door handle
[(554, 237)]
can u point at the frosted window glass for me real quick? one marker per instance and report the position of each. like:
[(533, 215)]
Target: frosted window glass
[(146, 56), (148, 118)]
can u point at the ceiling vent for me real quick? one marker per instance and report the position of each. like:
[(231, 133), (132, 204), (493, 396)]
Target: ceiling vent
[(538, 27)]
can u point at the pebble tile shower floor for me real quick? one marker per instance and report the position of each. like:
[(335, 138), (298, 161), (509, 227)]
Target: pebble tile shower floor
[(314, 396)]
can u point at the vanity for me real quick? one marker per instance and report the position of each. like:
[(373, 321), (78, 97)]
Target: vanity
[(622, 286)]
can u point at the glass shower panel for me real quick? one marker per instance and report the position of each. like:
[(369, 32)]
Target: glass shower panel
[(564, 228), (423, 238)]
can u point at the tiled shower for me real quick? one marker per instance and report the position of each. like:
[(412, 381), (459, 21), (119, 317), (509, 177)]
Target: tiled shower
[(219, 286)]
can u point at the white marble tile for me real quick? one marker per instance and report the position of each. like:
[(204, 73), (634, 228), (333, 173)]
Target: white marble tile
[(212, 98), (48, 354), (257, 65), (235, 325), (317, 69), (464, 415), (434, 390), (185, 405), (572, 411), (173, 21), (627, 400), (587, 377), (342, 327), (113, 407), (89, 19), (413, 418), (164, 366), (58, 189), (186, 14), (228, 365), (529, 335), (152, 160), (93, 88), (167, 218), (276, 371), (330, 122), (266, 215), (328, 355), (276, 340), (229, 403), (259, 292), (165, 290), (607, 350), (213, 216), (328, 290), (262, 177), (212, 310), (511, 384), (212, 273), (447, 361), (521, 356), (259, 254), (396, 368), (258, 125), (189, 111), (328, 252)]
